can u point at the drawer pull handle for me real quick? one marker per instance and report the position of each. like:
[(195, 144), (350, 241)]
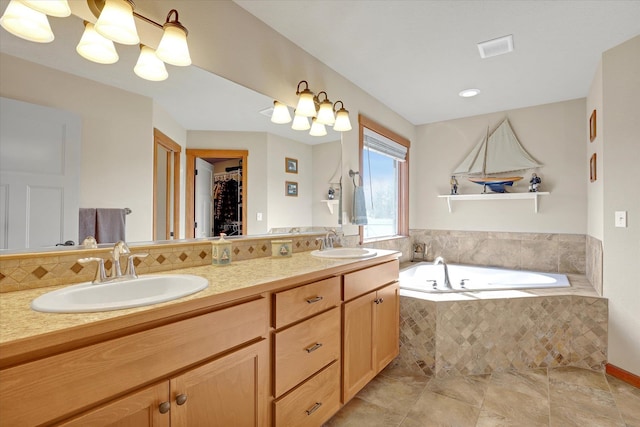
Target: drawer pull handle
[(313, 347), (379, 300), (315, 299), (181, 399), (164, 407), (314, 408)]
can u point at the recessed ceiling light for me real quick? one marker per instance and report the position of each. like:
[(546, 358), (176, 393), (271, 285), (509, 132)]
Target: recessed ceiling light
[(468, 93)]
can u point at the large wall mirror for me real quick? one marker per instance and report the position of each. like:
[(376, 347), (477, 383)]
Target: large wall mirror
[(197, 110)]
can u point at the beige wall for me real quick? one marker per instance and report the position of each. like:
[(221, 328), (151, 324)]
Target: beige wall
[(326, 160), (595, 190), (116, 131), (553, 134), (283, 210), (621, 151)]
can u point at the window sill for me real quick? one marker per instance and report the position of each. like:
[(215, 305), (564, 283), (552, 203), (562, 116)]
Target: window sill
[(383, 239)]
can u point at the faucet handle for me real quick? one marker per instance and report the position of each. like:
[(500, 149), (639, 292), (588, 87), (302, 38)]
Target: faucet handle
[(321, 240), (101, 274), (131, 268)]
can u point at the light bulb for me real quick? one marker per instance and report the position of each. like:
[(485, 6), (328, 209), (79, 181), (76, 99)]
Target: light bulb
[(280, 114), (94, 47), (26, 23), (300, 122), (343, 123), (116, 22), (173, 48), (57, 8), (317, 128)]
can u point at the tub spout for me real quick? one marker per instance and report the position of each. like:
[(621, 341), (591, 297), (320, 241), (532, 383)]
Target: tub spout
[(447, 282)]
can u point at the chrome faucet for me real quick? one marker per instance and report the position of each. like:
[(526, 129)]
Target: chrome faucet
[(119, 250), (447, 282), (331, 239)]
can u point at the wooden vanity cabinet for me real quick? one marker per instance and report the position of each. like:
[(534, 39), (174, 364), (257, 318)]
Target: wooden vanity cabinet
[(207, 358), (228, 391), (307, 353), (371, 324)]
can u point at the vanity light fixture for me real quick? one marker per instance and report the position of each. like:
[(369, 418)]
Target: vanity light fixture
[(116, 23), (325, 110), (281, 113), (300, 122), (26, 23), (343, 123), (149, 66), (27, 19), (94, 47), (468, 93), (173, 48), (306, 105), (317, 128)]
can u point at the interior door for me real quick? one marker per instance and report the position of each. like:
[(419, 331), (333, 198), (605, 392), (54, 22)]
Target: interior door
[(204, 199), (39, 192)]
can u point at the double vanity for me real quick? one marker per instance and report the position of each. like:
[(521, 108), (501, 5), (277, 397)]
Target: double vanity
[(269, 342)]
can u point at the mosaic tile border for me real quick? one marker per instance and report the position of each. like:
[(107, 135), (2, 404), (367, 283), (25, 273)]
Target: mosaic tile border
[(39, 270)]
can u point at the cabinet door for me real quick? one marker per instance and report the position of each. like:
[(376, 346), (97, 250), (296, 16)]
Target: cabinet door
[(139, 409), (387, 325), (358, 344), (229, 391)]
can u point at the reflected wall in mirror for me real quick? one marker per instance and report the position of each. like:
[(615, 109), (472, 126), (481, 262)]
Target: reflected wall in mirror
[(119, 112)]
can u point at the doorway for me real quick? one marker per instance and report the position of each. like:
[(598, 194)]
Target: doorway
[(229, 176), (166, 187)]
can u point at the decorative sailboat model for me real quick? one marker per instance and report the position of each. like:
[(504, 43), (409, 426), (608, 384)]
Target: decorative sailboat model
[(498, 152)]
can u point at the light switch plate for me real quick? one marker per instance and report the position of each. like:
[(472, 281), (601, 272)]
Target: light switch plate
[(621, 219), (259, 216)]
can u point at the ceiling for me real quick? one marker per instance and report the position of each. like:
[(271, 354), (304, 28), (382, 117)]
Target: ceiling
[(416, 56)]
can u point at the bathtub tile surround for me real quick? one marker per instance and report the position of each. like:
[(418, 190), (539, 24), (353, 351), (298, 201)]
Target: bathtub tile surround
[(481, 336), (555, 253), (564, 396), (594, 263)]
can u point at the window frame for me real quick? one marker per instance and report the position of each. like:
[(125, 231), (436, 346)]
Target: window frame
[(403, 177)]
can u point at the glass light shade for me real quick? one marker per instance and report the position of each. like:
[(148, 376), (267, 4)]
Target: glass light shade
[(317, 128), (116, 22), (325, 113), (280, 113), (149, 66), (306, 107), (26, 23), (300, 122), (94, 47), (59, 8), (343, 123), (173, 48)]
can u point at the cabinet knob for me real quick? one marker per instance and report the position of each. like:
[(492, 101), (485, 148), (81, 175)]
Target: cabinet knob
[(181, 399), (313, 347), (379, 300), (314, 408), (164, 407), (315, 299)]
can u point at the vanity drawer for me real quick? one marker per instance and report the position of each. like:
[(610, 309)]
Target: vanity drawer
[(363, 281), (304, 301), (313, 402), (303, 349), (36, 392)]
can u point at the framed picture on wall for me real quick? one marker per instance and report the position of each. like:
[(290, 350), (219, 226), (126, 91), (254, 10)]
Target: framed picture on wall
[(291, 188), (592, 126), (592, 168), (290, 165)]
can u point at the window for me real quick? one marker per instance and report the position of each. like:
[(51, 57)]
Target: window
[(384, 174)]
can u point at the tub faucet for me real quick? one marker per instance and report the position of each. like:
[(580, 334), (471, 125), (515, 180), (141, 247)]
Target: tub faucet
[(447, 282)]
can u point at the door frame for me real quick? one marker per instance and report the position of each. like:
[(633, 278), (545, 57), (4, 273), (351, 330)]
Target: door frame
[(173, 153), (190, 183)]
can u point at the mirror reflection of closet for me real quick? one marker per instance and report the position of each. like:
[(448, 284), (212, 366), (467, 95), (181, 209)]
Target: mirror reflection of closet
[(166, 182), (216, 189)]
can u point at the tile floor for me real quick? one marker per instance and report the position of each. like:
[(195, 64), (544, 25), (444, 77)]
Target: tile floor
[(561, 397)]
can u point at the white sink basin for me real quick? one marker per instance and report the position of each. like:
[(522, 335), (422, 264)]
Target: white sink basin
[(145, 290), (344, 253)]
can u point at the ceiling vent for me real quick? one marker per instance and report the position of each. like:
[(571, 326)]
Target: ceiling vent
[(267, 112), (496, 47)]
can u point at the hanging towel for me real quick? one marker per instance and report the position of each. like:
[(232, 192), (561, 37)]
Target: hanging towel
[(359, 205), (110, 225), (87, 223)]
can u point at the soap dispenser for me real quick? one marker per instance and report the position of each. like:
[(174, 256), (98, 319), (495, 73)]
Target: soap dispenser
[(221, 254)]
